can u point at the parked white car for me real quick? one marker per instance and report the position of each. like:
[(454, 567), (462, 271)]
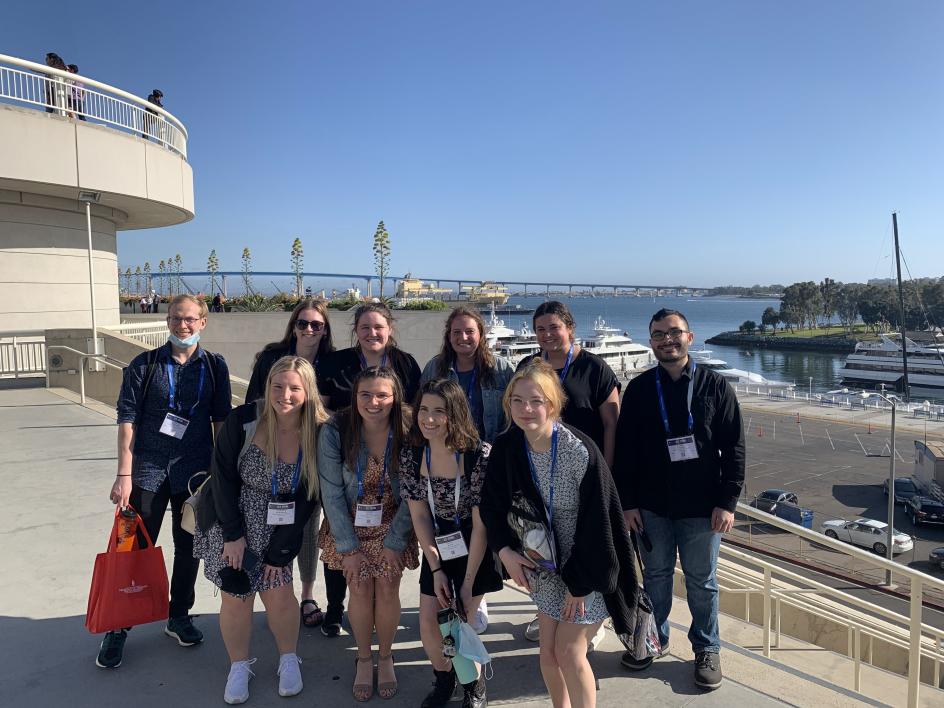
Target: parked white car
[(867, 533)]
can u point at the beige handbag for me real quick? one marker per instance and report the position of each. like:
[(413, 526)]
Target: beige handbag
[(188, 513)]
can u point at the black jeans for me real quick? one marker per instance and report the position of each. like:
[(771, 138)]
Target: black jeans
[(152, 506), (335, 589)]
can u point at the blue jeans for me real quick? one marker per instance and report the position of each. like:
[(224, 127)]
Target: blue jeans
[(697, 546)]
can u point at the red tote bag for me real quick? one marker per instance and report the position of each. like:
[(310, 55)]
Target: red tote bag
[(128, 587)]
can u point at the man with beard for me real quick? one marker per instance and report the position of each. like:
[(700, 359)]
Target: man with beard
[(679, 469)]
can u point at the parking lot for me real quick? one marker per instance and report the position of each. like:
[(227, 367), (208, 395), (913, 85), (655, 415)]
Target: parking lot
[(836, 468)]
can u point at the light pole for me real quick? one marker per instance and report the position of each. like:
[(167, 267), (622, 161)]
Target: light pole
[(89, 198), (891, 483), (810, 399)]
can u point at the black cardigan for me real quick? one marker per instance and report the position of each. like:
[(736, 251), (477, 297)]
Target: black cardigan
[(602, 558), (219, 501)]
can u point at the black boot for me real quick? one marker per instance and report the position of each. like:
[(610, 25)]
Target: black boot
[(475, 694), (443, 686)]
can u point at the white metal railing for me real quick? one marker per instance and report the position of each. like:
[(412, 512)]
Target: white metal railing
[(78, 96), (153, 334), (852, 400), (920, 639), (22, 353), (103, 358)]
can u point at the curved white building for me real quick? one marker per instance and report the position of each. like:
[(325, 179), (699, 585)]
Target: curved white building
[(53, 162)]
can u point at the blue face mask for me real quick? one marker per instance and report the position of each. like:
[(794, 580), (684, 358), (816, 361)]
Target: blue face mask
[(188, 342), (469, 645)]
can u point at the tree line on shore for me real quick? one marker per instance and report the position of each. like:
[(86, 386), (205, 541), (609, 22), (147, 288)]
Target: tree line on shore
[(809, 305)]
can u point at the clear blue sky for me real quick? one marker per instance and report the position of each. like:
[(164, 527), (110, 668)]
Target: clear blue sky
[(696, 142)]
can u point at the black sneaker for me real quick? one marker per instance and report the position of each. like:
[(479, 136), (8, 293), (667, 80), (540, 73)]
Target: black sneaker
[(707, 670), (182, 629), (331, 627), (634, 664), (113, 647)]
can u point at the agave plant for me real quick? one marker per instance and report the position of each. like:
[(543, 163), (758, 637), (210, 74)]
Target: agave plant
[(257, 303)]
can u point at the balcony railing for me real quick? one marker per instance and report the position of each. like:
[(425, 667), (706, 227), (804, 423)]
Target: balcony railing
[(83, 98)]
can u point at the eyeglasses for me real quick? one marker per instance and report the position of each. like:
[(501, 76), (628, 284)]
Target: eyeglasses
[(316, 325), (189, 321), (674, 333)]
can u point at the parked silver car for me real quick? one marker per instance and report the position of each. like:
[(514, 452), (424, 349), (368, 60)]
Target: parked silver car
[(867, 533)]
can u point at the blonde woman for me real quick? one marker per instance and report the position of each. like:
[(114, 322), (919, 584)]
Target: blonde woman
[(582, 571), (263, 490)]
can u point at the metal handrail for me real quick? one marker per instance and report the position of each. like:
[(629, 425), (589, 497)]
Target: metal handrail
[(36, 343), (41, 85), (917, 581), (104, 358)]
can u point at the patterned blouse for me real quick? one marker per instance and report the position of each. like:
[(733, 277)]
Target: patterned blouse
[(413, 484)]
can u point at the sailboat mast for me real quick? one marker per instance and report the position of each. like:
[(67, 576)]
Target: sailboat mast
[(901, 311)]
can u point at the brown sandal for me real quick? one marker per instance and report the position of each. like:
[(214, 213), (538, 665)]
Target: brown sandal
[(314, 616), (387, 689), (363, 692)]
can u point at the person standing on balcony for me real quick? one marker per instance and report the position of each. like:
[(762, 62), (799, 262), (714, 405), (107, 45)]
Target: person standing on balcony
[(679, 469), (53, 88), (151, 122), (76, 95), (172, 400)]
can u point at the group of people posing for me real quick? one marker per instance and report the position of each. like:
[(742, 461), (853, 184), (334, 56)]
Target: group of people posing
[(378, 466)]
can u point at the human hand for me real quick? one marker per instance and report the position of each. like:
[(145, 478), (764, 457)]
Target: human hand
[(633, 519), (722, 520), (573, 607), (394, 560), (351, 567), (233, 552), (121, 490), (271, 573), (442, 589), (515, 564)]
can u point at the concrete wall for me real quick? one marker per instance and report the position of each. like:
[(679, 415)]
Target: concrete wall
[(44, 263), (45, 161)]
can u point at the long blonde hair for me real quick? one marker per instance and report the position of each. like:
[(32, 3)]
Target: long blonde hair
[(313, 414)]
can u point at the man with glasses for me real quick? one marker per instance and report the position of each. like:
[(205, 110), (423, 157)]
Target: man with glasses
[(679, 470), (172, 400)]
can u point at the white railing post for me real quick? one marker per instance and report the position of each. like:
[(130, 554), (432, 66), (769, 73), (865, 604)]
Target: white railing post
[(16, 368), (767, 612), (914, 646), (857, 663)]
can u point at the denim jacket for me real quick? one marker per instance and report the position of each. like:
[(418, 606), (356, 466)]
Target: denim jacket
[(492, 414), (339, 493)]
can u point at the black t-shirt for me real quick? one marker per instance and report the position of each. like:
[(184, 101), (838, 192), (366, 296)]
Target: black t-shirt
[(588, 384), (337, 370)]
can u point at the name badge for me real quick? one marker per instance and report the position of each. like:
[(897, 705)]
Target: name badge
[(174, 425), (683, 448), (281, 513), (368, 515), (451, 545)]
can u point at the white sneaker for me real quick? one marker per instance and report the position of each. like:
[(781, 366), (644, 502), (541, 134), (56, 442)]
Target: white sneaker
[(480, 622), (290, 677), (533, 631), (597, 639), (237, 683)]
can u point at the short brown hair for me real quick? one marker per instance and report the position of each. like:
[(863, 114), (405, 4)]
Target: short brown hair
[(542, 374), (199, 302)]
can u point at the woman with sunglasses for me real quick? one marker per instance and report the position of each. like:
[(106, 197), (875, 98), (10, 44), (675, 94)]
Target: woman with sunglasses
[(373, 345), (577, 563), (263, 488), (308, 335), (466, 358), (370, 538), (442, 472)]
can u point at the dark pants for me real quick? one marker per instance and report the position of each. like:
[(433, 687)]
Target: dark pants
[(335, 589), (152, 506)]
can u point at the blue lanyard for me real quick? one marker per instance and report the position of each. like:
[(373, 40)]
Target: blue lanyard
[(173, 386), (570, 358), (429, 490), (295, 477), (360, 473), (383, 359), (665, 414), (468, 389), (549, 507)]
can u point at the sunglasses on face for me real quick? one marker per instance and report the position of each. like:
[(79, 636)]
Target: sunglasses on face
[(302, 325)]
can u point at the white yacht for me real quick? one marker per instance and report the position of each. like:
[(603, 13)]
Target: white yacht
[(704, 358), (617, 349), (875, 363), (496, 333), (523, 343)]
